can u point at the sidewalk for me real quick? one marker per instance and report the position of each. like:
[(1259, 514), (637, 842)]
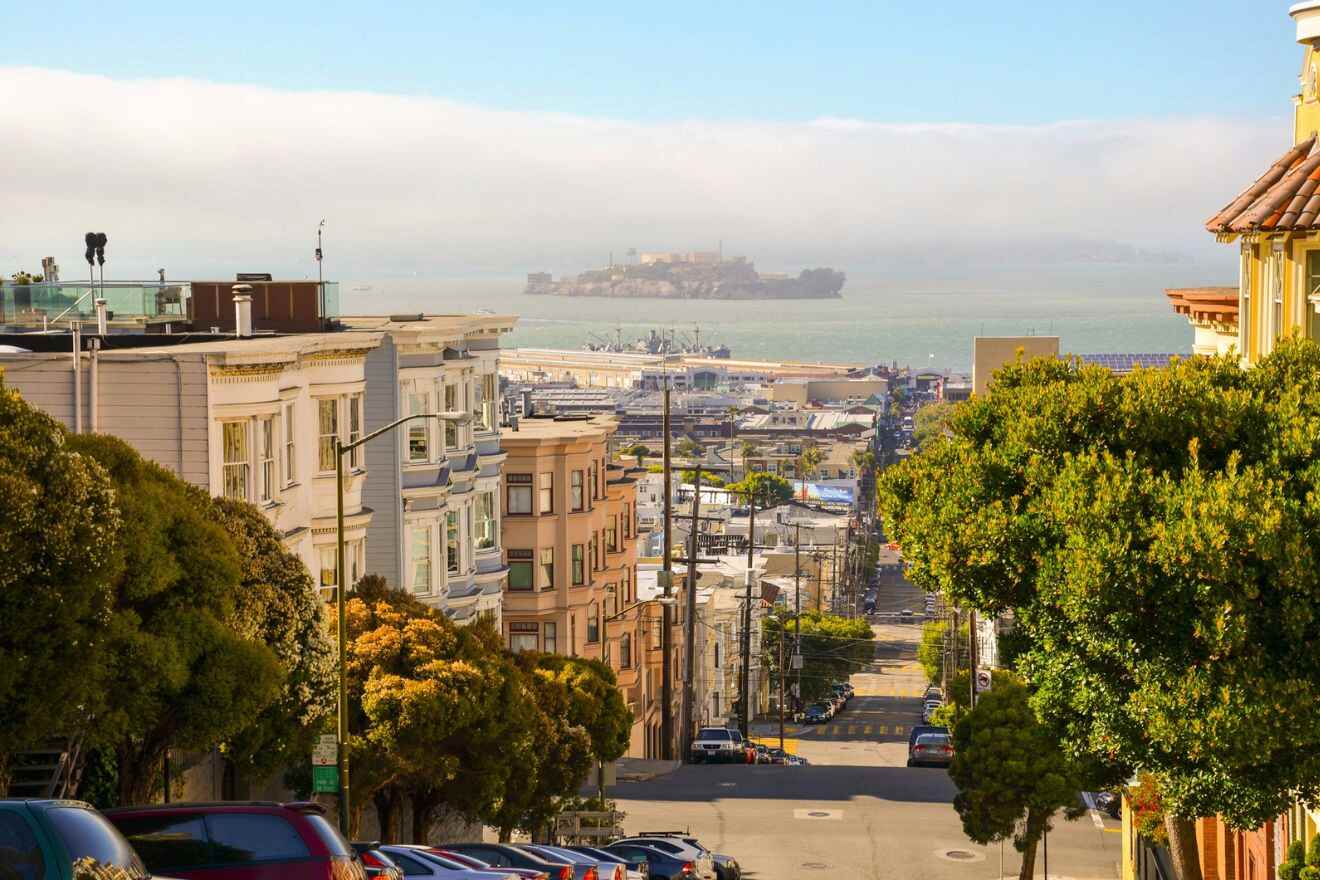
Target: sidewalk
[(643, 769)]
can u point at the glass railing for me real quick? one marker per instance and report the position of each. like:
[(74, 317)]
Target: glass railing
[(49, 304), (331, 299)]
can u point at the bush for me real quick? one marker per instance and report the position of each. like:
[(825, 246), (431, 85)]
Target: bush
[(1313, 853), (1309, 873)]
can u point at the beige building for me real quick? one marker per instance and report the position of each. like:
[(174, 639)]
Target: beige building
[(803, 391), (989, 353), (570, 544)]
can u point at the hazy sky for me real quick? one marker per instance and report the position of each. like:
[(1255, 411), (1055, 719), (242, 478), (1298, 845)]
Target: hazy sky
[(447, 140)]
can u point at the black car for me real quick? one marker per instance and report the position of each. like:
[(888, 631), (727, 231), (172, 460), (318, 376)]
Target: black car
[(662, 865), (501, 855)]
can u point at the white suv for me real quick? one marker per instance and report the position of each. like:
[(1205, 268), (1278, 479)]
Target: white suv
[(717, 744)]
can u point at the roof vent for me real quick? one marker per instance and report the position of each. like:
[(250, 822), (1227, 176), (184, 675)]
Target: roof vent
[(1307, 16)]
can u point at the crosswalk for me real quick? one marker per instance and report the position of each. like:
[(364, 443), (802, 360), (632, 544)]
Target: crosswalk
[(835, 730)]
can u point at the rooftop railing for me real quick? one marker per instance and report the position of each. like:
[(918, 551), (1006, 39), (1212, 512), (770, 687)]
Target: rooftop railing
[(51, 304)]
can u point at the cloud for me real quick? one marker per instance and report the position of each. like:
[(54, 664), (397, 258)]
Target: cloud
[(201, 176)]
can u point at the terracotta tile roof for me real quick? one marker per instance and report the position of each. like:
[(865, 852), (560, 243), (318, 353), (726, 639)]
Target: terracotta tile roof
[(1218, 304), (1284, 198)]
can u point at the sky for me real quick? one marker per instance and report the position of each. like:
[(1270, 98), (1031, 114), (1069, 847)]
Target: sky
[(440, 139)]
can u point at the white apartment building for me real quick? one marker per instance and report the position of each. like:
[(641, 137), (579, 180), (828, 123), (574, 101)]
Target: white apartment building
[(435, 526)]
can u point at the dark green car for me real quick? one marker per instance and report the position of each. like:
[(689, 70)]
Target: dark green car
[(62, 840)]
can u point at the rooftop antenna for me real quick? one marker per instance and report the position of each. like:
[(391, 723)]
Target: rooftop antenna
[(320, 279)]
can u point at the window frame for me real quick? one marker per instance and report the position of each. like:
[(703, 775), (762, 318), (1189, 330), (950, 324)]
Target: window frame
[(290, 475), (519, 556), (578, 566), (453, 542), (545, 493), (356, 418), (325, 446), (243, 464), (546, 570), (593, 622), (577, 492), (415, 530), (521, 482), (550, 637), (267, 461)]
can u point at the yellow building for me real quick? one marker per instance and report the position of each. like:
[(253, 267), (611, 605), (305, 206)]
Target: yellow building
[(1275, 222)]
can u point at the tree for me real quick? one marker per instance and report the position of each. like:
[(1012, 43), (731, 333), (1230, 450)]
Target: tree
[(707, 478), (863, 460), (833, 648), (930, 652), (178, 673), (277, 605), (59, 523), (930, 422), (747, 449), (808, 464), (1011, 774), (689, 448), (638, 451), (770, 490), (1155, 534), (1291, 867)]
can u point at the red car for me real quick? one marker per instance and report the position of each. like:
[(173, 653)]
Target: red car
[(238, 840)]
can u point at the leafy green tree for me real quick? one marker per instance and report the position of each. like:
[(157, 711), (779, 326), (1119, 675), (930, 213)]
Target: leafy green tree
[(179, 674), (689, 448), (59, 524), (930, 652), (747, 449), (1291, 867), (1157, 535), (707, 478), (930, 422), (1011, 774), (833, 648), (770, 490), (808, 464), (639, 452), (596, 703), (277, 605)]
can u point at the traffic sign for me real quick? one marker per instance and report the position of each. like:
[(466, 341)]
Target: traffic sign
[(796, 662), (325, 779), (325, 754), (983, 680)]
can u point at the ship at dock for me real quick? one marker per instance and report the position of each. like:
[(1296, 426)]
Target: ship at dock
[(693, 275), (665, 343)]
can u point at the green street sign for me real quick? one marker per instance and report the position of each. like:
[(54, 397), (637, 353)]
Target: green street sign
[(325, 779)]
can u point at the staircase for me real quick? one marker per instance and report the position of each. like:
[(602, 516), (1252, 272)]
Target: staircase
[(51, 771)]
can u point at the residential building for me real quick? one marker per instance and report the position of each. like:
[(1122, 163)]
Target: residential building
[(570, 544), (436, 528), (251, 418)]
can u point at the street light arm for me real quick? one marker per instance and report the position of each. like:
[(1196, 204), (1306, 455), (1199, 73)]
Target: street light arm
[(660, 600), (461, 418)]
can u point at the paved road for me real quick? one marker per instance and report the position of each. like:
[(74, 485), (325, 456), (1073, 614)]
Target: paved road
[(857, 811)]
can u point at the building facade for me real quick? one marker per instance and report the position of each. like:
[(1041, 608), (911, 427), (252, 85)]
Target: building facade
[(435, 531)]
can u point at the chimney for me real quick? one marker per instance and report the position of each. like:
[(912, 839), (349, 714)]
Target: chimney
[(242, 310), (1307, 16), (102, 318)]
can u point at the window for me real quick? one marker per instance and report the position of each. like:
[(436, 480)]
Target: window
[(237, 838), (411, 867), (87, 834), (579, 565), (329, 566), (520, 569), (625, 652), (328, 426), (575, 500), (522, 636), (490, 393), (1244, 302), (547, 493), (236, 463), (290, 447), (612, 534), (451, 542), (593, 623), (594, 494), (591, 547), (1275, 296), (355, 429), (550, 634), (266, 437), (484, 532), (419, 555), (572, 634), (475, 407), (627, 520), (419, 430), (451, 428), (547, 568), (1312, 322), (519, 500), (22, 854)]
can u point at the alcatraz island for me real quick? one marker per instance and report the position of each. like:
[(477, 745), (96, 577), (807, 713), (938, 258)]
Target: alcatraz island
[(692, 275)]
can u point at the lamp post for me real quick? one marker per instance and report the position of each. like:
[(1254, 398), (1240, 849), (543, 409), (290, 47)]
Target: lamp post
[(342, 449)]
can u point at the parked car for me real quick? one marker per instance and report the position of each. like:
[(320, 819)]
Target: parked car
[(474, 862), (679, 845), (748, 749), (422, 861), (931, 749), (816, 714), (634, 869), (661, 865), (778, 756), (238, 840), (717, 745), (376, 863), (726, 867), (42, 839), (584, 867), (919, 729), (505, 855)]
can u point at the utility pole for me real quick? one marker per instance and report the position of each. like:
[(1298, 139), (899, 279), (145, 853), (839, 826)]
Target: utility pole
[(667, 579), (690, 633), (745, 715), (797, 604), (971, 664), (782, 671)]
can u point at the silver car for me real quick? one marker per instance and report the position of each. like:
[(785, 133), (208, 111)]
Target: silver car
[(700, 857)]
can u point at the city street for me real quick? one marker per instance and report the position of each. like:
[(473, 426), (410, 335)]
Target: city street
[(857, 810)]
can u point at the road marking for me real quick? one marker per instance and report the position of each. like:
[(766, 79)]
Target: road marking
[(818, 814), (1095, 818)]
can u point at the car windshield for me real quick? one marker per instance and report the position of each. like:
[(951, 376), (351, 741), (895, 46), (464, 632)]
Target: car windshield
[(713, 733), (88, 835), (933, 740)]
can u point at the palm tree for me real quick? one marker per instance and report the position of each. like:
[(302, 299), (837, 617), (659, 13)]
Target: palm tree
[(747, 449), (863, 460), (808, 463)]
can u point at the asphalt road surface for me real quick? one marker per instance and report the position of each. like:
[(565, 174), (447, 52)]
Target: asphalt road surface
[(857, 811)]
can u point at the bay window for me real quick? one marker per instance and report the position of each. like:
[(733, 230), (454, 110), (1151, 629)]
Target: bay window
[(419, 430), (419, 555), (547, 493), (355, 429), (327, 410), (451, 542), (290, 446), (579, 566), (519, 500), (547, 568), (266, 444), (329, 566), (490, 392), (236, 463), (521, 570), (576, 501), (522, 636), (451, 428), (593, 623), (484, 538), (550, 643)]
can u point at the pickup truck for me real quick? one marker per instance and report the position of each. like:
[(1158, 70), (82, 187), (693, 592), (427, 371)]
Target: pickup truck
[(62, 840)]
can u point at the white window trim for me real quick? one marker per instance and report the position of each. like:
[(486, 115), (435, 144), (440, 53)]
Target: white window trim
[(339, 429), (248, 432)]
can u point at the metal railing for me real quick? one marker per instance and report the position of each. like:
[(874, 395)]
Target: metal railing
[(44, 304)]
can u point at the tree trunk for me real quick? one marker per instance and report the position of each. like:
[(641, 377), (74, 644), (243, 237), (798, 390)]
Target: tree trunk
[(424, 806), (388, 802), (506, 833), (1027, 843), (1028, 859), (139, 773), (1183, 851)]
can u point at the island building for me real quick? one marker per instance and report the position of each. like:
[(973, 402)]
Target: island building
[(242, 393)]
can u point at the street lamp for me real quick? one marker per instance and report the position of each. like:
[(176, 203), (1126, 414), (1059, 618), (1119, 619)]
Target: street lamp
[(342, 449)]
